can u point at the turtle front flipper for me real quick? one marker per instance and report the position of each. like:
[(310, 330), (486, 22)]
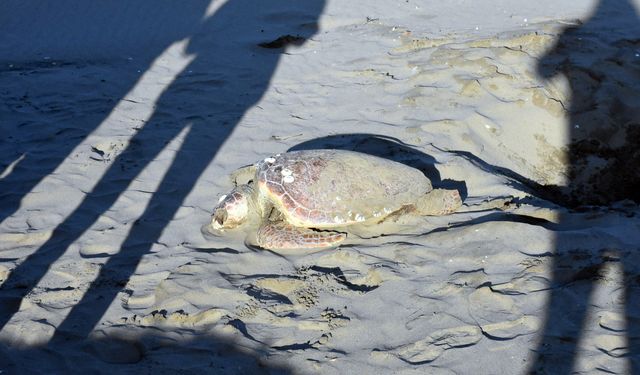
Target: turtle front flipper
[(283, 236), (439, 202)]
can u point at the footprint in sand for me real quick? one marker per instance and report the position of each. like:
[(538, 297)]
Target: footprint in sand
[(486, 305), (429, 349), (613, 321), (613, 345), (432, 347), (511, 329), (303, 290), (178, 318)]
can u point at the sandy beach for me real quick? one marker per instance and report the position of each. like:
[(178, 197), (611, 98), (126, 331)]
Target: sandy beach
[(123, 121)]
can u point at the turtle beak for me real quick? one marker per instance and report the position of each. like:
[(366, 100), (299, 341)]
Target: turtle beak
[(218, 219)]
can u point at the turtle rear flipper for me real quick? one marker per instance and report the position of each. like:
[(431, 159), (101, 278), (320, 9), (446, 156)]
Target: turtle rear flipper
[(439, 202), (282, 236)]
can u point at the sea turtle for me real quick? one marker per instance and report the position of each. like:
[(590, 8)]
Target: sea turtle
[(302, 199)]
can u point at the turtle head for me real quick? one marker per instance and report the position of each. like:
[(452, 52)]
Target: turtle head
[(233, 209)]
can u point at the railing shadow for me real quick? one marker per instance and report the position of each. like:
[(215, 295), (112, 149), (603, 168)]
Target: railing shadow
[(45, 38), (228, 75)]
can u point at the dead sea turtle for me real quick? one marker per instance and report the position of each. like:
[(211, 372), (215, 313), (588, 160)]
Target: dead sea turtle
[(301, 199)]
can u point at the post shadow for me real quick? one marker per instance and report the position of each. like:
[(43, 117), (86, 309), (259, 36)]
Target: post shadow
[(228, 75), (600, 59)]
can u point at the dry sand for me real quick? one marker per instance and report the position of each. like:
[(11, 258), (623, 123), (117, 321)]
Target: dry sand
[(122, 121)]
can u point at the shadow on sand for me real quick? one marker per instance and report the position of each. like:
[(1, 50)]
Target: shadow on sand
[(53, 102), (600, 59), (136, 350), (229, 73)]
